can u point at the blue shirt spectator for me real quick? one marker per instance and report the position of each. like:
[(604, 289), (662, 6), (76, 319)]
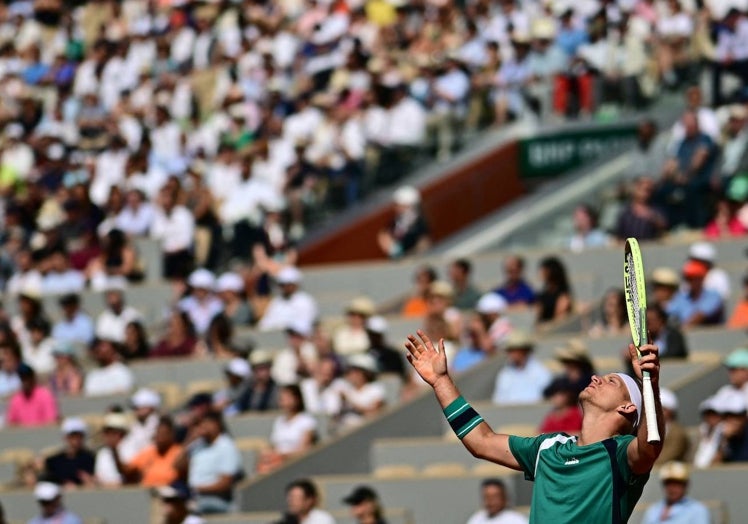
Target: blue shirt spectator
[(685, 511), (76, 326), (696, 305), (523, 378), (514, 289), (467, 357)]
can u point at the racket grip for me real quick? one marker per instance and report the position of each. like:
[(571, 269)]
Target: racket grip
[(653, 433)]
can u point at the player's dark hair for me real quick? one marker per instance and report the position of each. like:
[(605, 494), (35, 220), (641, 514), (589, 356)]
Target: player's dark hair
[(306, 486), (493, 482)]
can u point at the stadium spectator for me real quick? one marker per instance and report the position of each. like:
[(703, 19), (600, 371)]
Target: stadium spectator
[(706, 116), (351, 338), (734, 444), (476, 347), (365, 506), (189, 420), (294, 431), (180, 339), (554, 300), (495, 505), (135, 345), (302, 499), (650, 152), (30, 308), (676, 505), (362, 394), (725, 222), (237, 373), (10, 361), (587, 234), (26, 275), (145, 404), (640, 218), (33, 404), (218, 341), (523, 378), (76, 326), (37, 350), (388, 358), (262, 392), (408, 232), (112, 322), (466, 294), (214, 466), (67, 376), (74, 464), (442, 319), (576, 362), (730, 52), (201, 305), (59, 277), (109, 466), (111, 377), (565, 414), (154, 465), (734, 144), (694, 305), (292, 305), (415, 305), (737, 373), (710, 434), (175, 498), (299, 358), (230, 288), (665, 284), (174, 226), (515, 290), (137, 214), (490, 309), (667, 336), (49, 497), (117, 260), (613, 315), (322, 391), (677, 443), (717, 278)]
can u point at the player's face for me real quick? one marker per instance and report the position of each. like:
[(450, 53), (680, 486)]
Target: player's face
[(607, 392), (494, 500)]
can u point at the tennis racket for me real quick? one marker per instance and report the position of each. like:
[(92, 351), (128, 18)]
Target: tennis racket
[(636, 305)]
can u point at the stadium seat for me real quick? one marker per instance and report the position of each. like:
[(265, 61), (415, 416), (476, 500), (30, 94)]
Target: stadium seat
[(171, 393), (444, 469), (395, 472)]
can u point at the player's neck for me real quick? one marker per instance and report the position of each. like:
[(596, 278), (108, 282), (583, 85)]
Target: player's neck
[(596, 427)]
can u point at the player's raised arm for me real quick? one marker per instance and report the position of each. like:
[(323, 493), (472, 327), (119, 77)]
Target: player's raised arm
[(642, 454), (430, 362)]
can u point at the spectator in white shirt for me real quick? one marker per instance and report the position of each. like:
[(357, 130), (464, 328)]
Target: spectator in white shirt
[(26, 275), (38, 350), (174, 226), (300, 357), (731, 54), (111, 377), (136, 217), (494, 499), (292, 305), (302, 499), (112, 322), (363, 396), (202, 305), (322, 391), (115, 452), (145, 404)]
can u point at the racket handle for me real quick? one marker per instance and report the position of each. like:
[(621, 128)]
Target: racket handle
[(653, 433)]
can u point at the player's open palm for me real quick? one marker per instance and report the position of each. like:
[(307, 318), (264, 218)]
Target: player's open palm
[(429, 361)]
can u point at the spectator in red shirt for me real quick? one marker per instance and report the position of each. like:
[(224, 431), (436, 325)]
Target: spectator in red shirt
[(180, 337), (565, 415), (32, 405)]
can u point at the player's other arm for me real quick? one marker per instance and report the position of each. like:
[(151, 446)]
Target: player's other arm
[(430, 363), (642, 454)]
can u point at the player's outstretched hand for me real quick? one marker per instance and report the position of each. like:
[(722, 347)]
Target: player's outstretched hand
[(650, 361), (429, 362)]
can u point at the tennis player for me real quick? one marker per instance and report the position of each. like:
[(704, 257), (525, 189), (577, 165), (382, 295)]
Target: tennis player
[(596, 477)]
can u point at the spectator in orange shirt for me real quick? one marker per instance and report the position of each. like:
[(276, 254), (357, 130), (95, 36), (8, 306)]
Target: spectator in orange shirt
[(154, 466), (739, 317), (416, 305)]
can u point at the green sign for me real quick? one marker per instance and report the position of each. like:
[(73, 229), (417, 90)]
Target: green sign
[(553, 154)]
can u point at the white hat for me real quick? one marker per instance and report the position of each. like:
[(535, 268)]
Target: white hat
[(377, 324), (259, 357), (674, 471), (116, 421), (115, 284), (288, 275), (362, 361), (668, 399), (229, 282), (202, 278), (634, 394), (238, 367), (300, 327), (703, 251), (145, 398), (73, 425), (729, 402), (491, 303), (406, 196), (46, 491)]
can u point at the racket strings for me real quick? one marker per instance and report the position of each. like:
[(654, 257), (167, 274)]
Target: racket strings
[(634, 292)]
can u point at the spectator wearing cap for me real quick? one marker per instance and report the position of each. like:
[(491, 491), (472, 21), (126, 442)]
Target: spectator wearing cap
[(49, 497), (734, 444), (74, 464), (351, 338), (515, 289), (67, 377), (189, 420), (576, 362), (112, 322), (677, 443), (442, 319), (717, 278), (415, 305), (154, 465), (262, 391), (231, 291), (201, 305), (302, 501), (174, 227), (294, 430), (145, 404), (495, 504), (676, 507), (554, 300), (408, 232), (565, 415), (76, 326), (733, 159), (112, 376), (37, 349), (109, 466), (694, 305), (737, 373), (365, 506), (175, 498), (291, 305), (389, 359), (490, 309), (523, 377), (180, 339), (665, 335), (33, 404), (710, 434), (466, 294), (739, 316), (30, 308), (665, 283), (298, 359), (237, 372), (363, 395), (10, 361)]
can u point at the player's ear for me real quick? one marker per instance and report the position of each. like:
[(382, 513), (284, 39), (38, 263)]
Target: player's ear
[(628, 410)]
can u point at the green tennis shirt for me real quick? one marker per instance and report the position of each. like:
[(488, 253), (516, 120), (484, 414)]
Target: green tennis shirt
[(576, 483)]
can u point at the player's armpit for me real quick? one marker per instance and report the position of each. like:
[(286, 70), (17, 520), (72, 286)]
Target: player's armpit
[(484, 444)]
